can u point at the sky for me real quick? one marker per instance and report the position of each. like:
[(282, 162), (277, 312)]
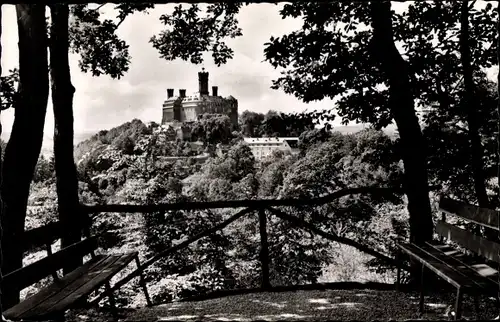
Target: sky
[(102, 103)]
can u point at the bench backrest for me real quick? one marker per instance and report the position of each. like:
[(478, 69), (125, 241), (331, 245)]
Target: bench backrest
[(45, 235), (481, 216), (41, 236), (36, 271)]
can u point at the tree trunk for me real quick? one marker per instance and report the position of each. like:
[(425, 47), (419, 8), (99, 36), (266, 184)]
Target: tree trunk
[(23, 148), (1, 202), (402, 108), (62, 100), (475, 146), (498, 113)]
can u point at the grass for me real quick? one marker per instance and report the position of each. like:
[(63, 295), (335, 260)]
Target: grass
[(362, 305)]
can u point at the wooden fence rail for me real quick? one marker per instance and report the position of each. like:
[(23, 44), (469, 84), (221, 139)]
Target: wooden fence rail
[(249, 203), (339, 239)]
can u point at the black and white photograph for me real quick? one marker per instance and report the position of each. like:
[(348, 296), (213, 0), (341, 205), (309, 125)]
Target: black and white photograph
[(250, 161)]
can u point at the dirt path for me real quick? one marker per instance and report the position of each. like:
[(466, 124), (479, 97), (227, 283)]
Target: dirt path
[(362, 305)]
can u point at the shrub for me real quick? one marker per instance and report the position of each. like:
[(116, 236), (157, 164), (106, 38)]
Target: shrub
[(125, 144)]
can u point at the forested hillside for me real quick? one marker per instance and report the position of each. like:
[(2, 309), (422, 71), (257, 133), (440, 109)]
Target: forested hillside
[(126, 165)]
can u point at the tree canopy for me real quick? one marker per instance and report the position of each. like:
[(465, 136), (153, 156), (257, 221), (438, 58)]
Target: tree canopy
[(275, 124), (212, 129)]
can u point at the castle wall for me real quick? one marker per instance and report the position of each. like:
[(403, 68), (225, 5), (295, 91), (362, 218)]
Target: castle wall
[(189, 113), (178, 110), (233, 113), (182, 112), (219, 105), (168, 115)]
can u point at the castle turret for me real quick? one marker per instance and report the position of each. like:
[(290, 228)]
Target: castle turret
[(214, 91), (203, 82)]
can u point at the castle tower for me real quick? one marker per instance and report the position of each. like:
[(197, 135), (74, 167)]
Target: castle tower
[(184, 109), (203, 82)]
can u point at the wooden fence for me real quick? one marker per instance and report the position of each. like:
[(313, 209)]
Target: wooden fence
[(263, 208)]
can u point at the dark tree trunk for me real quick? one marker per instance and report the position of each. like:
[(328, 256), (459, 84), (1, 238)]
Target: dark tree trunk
[(1, 202), (62, 100), (23, 148), (498, 113), (384, 50)]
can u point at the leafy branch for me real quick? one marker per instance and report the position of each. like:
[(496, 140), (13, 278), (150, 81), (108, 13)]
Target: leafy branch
[(190, 35), (8, 89), (101, 50)]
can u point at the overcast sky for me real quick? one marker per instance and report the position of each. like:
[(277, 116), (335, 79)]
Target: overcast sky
[(102, 103)]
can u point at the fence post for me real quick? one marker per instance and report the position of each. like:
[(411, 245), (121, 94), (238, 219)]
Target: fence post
[(86, 223), (264, 249)]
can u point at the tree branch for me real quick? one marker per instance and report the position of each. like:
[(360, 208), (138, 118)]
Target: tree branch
[(171, 250), (102, 5), (305, 225), (472, 5), (119, 23)]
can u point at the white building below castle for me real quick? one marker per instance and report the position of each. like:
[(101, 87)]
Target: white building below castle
[(263, 147)]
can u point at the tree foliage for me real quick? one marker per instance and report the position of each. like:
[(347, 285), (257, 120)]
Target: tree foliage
[(212, 129), (311, 137), (198, 34), (8, 88), (96, 41), (275, 124), (250, 123), (44, 170)]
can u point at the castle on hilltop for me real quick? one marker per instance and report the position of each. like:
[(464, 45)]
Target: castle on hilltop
[(181, 110)]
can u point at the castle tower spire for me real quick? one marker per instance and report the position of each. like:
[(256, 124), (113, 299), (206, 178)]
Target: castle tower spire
[(203, 82)]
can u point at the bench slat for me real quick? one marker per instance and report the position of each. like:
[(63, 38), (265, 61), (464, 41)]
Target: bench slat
[(472, 242), (462, 268), (18, 310), (482, 216), (34, 272), (475, 264), (101, 277), (91, 280), (441, 269)]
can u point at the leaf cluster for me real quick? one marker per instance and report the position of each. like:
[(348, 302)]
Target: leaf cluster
[(190, 34)]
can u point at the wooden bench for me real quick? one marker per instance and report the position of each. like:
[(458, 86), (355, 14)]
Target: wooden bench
[(468, 274), (64, 292)]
